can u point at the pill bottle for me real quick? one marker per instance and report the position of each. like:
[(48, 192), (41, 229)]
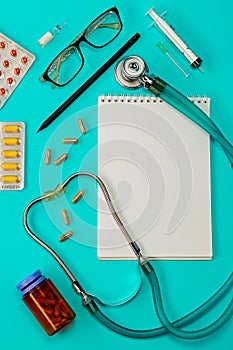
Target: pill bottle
[(45, 302)]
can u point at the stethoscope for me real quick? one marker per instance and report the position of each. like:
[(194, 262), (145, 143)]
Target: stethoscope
[(131, 72), (92, 303)]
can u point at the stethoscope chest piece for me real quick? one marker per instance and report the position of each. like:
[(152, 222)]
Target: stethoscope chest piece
[(129, 70)]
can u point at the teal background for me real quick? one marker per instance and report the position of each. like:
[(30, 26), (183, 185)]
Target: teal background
[(207, 27)]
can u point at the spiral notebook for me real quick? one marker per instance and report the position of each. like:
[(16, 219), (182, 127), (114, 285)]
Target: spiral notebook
[(156, 165)]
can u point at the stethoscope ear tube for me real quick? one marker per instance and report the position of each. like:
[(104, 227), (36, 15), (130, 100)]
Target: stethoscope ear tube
[(59, 190)]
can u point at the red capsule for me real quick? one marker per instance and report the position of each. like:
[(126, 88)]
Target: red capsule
[(10, 81), (57, 310), (13, 53), (6, 63), (2, 45), (65, 314), (47, 301), (56, 320), (1, 73), (48, 310), (2, 91), (17, 71), (24, 60)]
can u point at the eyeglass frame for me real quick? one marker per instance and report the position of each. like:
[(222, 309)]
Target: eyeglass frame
[(76, 43)]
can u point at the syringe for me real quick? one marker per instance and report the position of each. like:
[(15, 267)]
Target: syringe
[(194, 60)]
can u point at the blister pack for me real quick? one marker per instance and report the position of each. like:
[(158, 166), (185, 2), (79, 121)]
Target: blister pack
[(12, 135), (15, 61)]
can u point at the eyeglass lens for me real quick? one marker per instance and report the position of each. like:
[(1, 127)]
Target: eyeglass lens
[(65, 66), (70, 61), (103, 30)]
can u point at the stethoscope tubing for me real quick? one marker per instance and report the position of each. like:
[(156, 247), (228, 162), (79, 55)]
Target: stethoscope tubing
[(147, 268)]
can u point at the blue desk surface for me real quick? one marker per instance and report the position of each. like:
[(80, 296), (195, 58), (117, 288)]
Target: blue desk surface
[(207, 27)]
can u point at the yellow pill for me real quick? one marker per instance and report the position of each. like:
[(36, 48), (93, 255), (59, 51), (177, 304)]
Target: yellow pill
[(11, 128), (10, 179), (10, 141), (10, 154), (10, 166)]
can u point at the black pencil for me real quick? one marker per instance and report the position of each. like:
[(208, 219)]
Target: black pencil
[(90, 81)]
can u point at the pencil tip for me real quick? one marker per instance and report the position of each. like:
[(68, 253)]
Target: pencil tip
[(40, 128)]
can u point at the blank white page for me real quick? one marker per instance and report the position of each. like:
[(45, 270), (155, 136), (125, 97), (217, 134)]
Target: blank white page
[(156, 165)]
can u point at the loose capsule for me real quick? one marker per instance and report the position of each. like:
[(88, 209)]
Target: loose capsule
[(11, 141), (11, 128), (61, 159), (65, 217), (10, 179), (70, 140), (81, 126), (10, 166), (10, 154), (65, 236), (47, 156), (78, 196)]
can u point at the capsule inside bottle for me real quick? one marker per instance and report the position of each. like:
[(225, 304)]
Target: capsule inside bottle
[(46, 303)]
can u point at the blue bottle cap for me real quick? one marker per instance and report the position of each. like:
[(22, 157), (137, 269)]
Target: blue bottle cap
[(30, 282)]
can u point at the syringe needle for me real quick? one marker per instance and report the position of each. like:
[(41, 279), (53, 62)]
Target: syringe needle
[(164, 50), (177, 65)]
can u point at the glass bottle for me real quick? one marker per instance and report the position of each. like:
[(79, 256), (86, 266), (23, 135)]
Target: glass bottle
[(45, 302)]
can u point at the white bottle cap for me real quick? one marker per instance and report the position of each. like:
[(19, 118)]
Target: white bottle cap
[(45, 39)]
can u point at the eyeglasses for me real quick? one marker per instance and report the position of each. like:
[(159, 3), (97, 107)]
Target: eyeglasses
[(101, 32)]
